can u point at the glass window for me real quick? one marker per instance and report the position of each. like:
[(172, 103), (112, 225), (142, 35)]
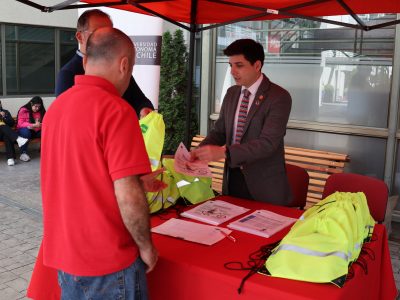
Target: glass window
[(37, 67), (360, 149), (11, 68), (30, 58), (334, 74), (68, 45), (11, 32), (35, 34)]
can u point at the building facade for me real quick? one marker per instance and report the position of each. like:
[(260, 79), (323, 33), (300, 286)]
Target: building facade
[(33, 47)]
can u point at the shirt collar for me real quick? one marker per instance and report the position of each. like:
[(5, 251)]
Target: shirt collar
[(254, 87), (79, 53), (90, 80)]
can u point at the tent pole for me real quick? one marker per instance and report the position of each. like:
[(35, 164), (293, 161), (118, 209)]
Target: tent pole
[(189, 94)]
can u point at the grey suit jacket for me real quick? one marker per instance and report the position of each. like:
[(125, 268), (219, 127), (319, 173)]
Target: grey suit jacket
[(260, 155)]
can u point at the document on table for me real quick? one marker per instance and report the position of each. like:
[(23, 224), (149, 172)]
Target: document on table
[(262, 222), (182, 164), (192, 232), (214, 212)]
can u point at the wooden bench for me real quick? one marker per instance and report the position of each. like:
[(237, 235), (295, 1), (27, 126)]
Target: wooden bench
[(318, 164), (32, 141)]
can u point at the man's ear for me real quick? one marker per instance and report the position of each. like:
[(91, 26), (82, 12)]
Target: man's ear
[(79, 37), (124, 65), (258, 65)]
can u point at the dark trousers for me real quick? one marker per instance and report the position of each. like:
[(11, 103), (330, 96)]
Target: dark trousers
[(28, 134), (9, 137), (237, 186)]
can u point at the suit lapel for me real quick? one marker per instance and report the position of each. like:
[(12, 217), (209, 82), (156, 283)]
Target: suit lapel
[(260, 97)]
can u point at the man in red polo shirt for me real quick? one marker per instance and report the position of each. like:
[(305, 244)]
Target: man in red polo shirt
[(96, 217)]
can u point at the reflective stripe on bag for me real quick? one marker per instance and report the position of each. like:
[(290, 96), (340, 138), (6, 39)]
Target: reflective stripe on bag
[(310, 252)]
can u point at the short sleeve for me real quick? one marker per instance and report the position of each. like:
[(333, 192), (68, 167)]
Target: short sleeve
[(124, 149)]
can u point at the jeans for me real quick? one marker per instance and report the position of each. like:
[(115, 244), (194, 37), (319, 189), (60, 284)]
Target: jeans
[(127, 284), (28, 134)]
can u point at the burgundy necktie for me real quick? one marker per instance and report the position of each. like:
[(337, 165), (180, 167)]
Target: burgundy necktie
[(242, 115)]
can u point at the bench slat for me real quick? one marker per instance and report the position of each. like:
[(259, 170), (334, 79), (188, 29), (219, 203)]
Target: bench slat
[(317, 153), (315, 188), (317, 182), (318, 161), (316, 168)]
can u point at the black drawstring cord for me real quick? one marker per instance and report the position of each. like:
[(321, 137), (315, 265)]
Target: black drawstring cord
[(255, 263)]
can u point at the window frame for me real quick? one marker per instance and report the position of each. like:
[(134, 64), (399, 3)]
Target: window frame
[(57, 44)]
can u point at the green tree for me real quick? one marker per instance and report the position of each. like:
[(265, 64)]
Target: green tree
[(173, 84)]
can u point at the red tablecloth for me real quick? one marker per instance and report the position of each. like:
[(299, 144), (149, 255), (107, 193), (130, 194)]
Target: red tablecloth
[(192, 271)]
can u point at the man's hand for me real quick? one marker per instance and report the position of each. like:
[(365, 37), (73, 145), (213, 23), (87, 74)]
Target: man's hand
[(151, 184), (145, 111), (208, 153), (149, 257), (2, 113)]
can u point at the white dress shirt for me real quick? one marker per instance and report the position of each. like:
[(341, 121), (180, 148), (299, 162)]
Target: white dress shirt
[(253, 90)]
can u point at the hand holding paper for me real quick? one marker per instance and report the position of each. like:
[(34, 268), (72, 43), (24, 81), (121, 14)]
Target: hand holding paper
[(208, 153), (184, 165)]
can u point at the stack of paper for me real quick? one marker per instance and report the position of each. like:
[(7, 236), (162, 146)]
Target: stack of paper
[(214, 212), (193, 232), (262, 222)]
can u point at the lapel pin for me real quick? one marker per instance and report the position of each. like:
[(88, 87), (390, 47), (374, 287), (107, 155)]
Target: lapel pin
[(259, 100)]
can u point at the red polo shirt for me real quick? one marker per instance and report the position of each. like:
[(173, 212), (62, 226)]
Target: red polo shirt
[(90, 138)]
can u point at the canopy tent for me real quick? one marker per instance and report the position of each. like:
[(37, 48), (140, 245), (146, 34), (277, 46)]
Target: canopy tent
[(197, 13)]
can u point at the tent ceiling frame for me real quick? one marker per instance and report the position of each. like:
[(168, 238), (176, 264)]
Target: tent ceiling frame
[(285, 12)]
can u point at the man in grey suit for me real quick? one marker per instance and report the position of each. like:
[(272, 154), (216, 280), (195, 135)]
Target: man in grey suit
[(250, 130)]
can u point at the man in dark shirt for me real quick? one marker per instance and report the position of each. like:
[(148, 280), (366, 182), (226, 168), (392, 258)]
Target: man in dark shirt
[(88, 22)]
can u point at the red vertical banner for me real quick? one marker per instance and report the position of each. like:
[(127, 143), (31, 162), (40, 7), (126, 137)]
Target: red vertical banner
[(274, 43)]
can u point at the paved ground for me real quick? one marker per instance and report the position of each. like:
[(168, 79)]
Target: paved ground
[(21, 227)]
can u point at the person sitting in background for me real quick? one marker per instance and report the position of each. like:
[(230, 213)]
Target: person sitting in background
[(29, 123), (8, 135)]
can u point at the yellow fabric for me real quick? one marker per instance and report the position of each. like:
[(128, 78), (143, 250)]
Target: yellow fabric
[(324, 241), (165, 198), (356, 202), (192, 189), (153, 130)]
